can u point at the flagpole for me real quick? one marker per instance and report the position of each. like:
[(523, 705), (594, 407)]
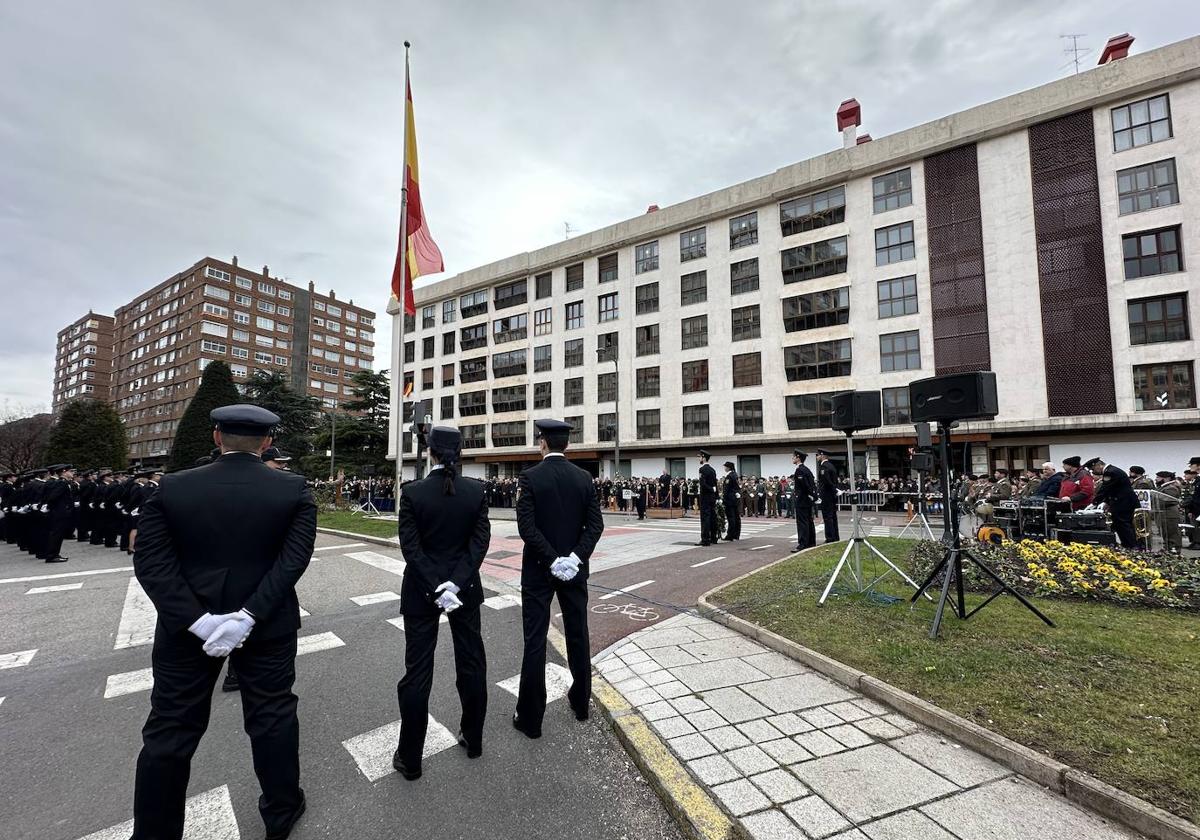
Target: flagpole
[(398, 382)]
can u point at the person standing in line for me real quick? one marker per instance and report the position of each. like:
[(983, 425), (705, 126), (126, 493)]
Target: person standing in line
[(731, 493), (58, 505), (708, 501), (803, 491), (559, 519), (1117, 494), (219, 552), (1168, 524), (827, 485)]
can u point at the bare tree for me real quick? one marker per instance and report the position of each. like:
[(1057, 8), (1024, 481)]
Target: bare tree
[(23, 437)]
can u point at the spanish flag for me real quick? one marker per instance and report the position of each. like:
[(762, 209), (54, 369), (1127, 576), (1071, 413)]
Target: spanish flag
[(416, 254)]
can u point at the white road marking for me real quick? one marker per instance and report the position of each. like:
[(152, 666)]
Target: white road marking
[(379, 561), (332, 547), (760, 547), (397, 622), (372, 751), (502, 602), (558, 680), (316, 642), (62, 575), (206, 816), (304, 613), (62, 587), (706, 562), (375, 598), (18, 659), (138, 617), (130, 682), (629, 588)]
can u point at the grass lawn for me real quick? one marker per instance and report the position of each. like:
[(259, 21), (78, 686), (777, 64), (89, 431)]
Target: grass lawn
[(1113, 691), (342, 520)]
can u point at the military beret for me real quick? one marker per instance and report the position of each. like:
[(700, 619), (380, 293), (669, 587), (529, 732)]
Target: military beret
[(243, 419), (1165, 474), (1073, 461), (1088, 463), (446, 437), (1136, 470), (1194, 460)]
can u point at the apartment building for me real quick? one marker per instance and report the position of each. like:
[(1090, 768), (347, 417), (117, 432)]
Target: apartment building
[(83, 360)]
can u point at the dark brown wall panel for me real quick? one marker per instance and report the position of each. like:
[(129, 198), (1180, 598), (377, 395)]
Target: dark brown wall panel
[(1071, 277), (958, 290)]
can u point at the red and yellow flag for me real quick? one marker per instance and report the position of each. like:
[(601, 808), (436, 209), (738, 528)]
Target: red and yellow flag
[(416, 253)]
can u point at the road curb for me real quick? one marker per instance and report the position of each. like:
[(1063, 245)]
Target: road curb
[(1078, 787), (334, 532)]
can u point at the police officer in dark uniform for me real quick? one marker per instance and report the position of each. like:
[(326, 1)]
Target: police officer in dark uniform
[(85, 512), (804, 490), (8, 493), (827, 484), (559, 519), (1118, 494), (444, 534), (35, 523), (708, 501), (58, 505), (730, 494), (219, 551)]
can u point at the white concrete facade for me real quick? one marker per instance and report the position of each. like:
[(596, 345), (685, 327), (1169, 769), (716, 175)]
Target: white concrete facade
[(999, 131)]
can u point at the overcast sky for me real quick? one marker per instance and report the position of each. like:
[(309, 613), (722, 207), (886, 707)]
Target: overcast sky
[(137, 137)]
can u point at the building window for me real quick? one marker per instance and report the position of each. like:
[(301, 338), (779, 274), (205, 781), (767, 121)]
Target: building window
[(574, 277), (473, 337), (820, 360), (576, 424), (216, 273), (512, 328), (475, 303), (427, 347), (743, 277), (428, 317), (509, 434), (695, 421), (426, 379), (743, 230), (574, 315), (646, 340), (647, 382), (1152, 252), (809, 212), (692, 245), (543, 285), (447, 375), (747, 323), (542, 358), (695, 376), (449, 311), (892, 191), (645, 257), (748, 417), (607, 268), (472, 403), (511, 363), (542, 395), (511, 398), (747, 370), (694, 332), (1146, 187), (542, 324), (818, 259), (573, 353), (897, 297), (213, 347), (812, 311), (608, 307), (649, 424), (609, 342), (472, 370), (606, 427), (895, 406), (1141, 123), (895, 244), (1158, 319), (573, 391), (646, 298), (216, 292), (473, 437), (809, 411), (693, 288), (1163, 386), (410, 323), (447, 408), (606, 387), (900, 351), (512, 294), (448, 344), (240, 353)]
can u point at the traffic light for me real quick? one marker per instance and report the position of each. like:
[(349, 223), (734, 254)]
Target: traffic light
[(417, 415)]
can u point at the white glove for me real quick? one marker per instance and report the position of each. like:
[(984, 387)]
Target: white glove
[(102, 505), (206, 625), (135, 512), (565, 568), (448, 601), (45, 508), (230, 634), (77, 504), (737, 495)]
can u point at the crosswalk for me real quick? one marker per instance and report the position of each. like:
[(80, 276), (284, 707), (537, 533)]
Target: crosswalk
[(206, 816), (690, 526)]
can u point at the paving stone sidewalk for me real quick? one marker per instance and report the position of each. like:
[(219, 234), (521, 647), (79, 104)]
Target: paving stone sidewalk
[(793, 755)]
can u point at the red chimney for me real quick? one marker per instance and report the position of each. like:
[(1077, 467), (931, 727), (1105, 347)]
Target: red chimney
[(653, 208), (1116, 48), (866, 138), (849, 113)]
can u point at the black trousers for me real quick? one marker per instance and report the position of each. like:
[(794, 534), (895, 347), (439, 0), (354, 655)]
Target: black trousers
[(536, 600), (806, 529), (184, 676), (1122, 525), (708, 519), (38, 534), (829, 515), (470, 666), (55, 534), (126, 525), (733, 519)]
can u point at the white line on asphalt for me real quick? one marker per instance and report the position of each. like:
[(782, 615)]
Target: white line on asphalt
[(316, 642), (138, 617), (375, 598), (760, 547), (62, 587), (502, 602), (206, 816), (625, 590), (332, 547), (18, 659), (558, 680), (130, 682), (62, 575), (706, 562), (372, 751), (304, 613), (397, 622), (379, 561)]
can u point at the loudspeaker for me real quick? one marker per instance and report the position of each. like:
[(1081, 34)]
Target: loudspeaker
[(854, 410), (955, 396), (924, 438)]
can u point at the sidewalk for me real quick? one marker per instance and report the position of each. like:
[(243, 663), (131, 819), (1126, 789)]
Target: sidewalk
[(793, 755)]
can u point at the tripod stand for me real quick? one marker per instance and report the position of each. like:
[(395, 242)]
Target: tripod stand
[(952, 560), (857, 541), (369, 505), (920, 517)]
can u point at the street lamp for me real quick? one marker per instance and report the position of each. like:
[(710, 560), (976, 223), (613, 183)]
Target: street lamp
[(611, 352)]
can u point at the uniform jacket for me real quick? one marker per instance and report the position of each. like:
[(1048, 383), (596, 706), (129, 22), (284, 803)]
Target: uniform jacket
[(1001, 491), (444, 538), (708, 480), (557, 513), (828, 482), (1117, 491), (730, 486), (57, 497), (232, 534), (805, 486)]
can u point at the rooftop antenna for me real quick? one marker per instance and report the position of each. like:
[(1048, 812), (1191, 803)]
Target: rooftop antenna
[(567, 230), (1075, 50)]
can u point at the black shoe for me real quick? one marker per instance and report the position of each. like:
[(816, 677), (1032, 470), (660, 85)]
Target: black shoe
[(285, 832), (472, 752), (517, 725), (57, 559), (581, 714), (797, 548), (398, 763), (231, 682)]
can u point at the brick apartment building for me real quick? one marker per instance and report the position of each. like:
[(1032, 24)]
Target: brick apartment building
[(83, 360)]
